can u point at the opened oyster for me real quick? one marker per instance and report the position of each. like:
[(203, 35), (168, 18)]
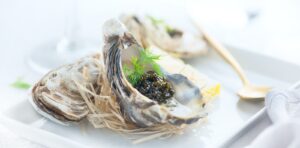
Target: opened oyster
[(183, 108), (56, 95), (178, 42)]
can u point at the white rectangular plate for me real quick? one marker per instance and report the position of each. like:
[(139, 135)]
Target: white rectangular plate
[(226, 117)]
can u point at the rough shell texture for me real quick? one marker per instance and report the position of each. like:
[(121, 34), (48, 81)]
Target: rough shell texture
[(118, 48), (182, 43), (56, 95)]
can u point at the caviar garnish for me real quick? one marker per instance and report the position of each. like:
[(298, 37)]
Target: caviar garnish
[(174, 32), (155, 87)]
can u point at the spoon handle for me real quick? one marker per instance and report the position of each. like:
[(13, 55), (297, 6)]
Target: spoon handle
[(221, 50)]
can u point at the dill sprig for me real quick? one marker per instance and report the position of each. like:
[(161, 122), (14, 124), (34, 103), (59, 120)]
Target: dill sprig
[(138, 66), (20, 84), (157, 22)]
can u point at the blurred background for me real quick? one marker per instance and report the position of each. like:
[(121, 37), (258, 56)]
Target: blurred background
[(29, 28)]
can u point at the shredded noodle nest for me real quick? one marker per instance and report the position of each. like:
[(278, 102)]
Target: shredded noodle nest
[(105, 112)]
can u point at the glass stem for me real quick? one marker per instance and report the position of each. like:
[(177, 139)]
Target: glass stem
[(70, 36)]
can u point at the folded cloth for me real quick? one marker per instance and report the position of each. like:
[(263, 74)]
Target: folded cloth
[(283, 107)]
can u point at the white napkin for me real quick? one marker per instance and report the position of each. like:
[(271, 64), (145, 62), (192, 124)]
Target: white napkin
[(283, 108)]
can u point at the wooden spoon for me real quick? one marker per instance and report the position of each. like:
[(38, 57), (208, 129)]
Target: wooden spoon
[(248, 91)]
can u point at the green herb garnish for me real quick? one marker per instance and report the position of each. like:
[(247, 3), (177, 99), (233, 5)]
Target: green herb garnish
[(157, 22), (20, 84), (169, 29), (135, 72)]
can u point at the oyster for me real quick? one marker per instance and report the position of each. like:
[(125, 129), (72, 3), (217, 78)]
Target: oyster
[(184, 107), (56, 95), (178, 42)]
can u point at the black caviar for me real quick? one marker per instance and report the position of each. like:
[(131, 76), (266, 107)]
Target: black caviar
[(155, 87)]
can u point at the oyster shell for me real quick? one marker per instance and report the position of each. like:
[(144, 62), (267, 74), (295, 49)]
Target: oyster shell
[(178, 42), (56, 95), (184, 107)]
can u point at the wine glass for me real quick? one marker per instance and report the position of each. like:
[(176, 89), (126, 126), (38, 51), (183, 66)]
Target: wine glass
[(69, 47)]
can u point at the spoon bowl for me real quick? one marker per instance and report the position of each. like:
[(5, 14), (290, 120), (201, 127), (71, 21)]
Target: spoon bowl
[(251, 92)]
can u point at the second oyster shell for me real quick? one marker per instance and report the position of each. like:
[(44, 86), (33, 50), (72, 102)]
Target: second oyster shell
[(56, 95), (180, 42)]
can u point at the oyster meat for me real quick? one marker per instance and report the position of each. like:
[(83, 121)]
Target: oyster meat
[(178, 42), (56, 95), (183, 108)]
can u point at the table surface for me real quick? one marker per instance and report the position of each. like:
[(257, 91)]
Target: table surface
[(24, 24)]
